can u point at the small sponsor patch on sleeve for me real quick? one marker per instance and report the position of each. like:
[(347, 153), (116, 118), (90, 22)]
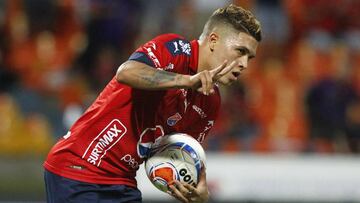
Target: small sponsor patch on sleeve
[(178, 47)]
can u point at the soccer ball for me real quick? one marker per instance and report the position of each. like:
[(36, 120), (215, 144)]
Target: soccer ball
[(175, 157)]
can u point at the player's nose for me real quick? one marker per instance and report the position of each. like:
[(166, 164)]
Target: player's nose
[(243, 63)]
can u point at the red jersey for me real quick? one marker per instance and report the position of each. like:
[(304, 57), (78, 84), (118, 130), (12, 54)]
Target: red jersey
[(109, 141)]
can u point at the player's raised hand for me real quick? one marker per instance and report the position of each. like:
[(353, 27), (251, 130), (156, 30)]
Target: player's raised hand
[(204, 81), (222, 70)]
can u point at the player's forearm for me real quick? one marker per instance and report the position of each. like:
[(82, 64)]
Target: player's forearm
[(141, 76)]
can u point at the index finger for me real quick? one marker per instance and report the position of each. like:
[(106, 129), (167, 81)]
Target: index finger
[(218, 69), (203, 169), (202, 176), (177, 194), (224, 71), (192, 189)]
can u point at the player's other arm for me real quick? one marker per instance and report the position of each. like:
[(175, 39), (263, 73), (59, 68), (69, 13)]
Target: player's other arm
[(142, 76)]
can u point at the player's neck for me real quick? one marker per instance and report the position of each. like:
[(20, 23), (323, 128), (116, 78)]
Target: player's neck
[(203, 56)]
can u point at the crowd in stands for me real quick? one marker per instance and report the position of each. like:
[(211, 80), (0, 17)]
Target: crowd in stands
[(300, 95)]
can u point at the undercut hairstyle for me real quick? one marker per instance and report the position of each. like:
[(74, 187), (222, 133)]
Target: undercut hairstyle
[(238, 18)]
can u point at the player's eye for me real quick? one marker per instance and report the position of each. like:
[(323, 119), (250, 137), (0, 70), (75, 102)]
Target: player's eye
[(242, 51)]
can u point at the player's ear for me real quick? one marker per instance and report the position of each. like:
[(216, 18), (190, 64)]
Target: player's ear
[(213, 39)]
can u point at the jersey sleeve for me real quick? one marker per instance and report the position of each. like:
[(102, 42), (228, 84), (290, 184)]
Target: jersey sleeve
[(151, 53), (163, 52)]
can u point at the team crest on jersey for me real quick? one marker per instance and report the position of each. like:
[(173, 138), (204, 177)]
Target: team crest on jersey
[(179, 46), (172, 120)]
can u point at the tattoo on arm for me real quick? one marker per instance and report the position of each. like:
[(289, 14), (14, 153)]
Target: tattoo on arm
[(156, 78)]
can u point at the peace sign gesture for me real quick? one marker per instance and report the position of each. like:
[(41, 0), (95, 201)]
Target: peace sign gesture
[(204, 81)]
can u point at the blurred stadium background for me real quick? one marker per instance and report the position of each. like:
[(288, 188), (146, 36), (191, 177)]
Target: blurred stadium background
[(289, 131)]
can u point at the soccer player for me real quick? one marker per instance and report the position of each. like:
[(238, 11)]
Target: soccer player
[(168, 85)]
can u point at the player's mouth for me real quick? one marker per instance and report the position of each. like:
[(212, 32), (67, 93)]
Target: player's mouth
[(233, 77), (236, 74)]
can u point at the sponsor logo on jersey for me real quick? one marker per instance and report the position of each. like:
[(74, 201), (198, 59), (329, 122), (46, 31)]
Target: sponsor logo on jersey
[(172, 120), (104, 141), (179, 46), (68, 134), (169, 67), (130, 161), (186, 103), (209, 125), (199, 111), (147, 138), (184, 92), (176, 45), (149, 47), (77, 167), (153, 45)]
